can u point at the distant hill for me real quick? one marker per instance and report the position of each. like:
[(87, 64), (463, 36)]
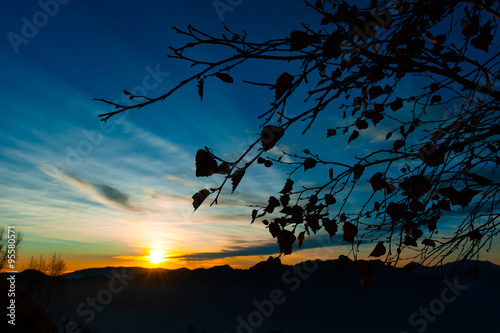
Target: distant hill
[(313, 296)]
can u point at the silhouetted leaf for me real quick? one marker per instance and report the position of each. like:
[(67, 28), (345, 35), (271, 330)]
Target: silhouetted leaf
[(199, 197), (201, 83), (301, 238), (361, 124), (435, 99), (284, 200), (353, 136), (274, 229), (288, 186), (475, 235), (309, 163), (254, 215), (270, 135), (429, 242), (485, 37), (330, 226), (465, 197), (378, 182), (410, 241), (301, 39), (374, 116), (312, 222), (379, 250), (286, 239), (397, 104), (416, 186), (272, 203), (398, 144), (224, 77), (329, 199), (224, 168), (396, 211), (470, 27), (297, 214), (444, 205), (330, 132), (266, 163), (350, 231), (284, 83), (205, 164), (236, 178), (375, 92), (357, 171)]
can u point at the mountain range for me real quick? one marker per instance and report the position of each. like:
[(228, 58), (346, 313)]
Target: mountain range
[(314, 296)]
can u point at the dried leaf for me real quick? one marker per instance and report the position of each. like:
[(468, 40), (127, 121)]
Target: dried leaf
[(329, 199), (284, 83), (272, 203), (286, 239), (397, 104), (301, 238), (378, 182), (288, 186), (398, 144), (435, 99), (224, 77), (254, 215), (353, 136), (361, 124), (236, 178), (309, 163), (201, 83), (330, 226), (429, 242), (205, 164), (199, 197), (485, 37), (350, 231), (379, 250), (330, 132), (274, 229), (270, 135), (375, 92), (357, 171)]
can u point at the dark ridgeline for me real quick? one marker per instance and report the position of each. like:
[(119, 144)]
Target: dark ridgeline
[(314, 296)]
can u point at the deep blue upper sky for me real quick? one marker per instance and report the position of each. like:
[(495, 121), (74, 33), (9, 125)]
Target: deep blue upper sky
[(96, 191)]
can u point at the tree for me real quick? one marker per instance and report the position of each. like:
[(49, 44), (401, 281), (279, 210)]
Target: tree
[(440, 157), (8, 247), (47, 289)]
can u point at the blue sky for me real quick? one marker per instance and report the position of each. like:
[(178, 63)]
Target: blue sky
[(109, 194)]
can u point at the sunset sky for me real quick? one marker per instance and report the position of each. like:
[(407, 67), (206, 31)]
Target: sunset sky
[(112, 194)]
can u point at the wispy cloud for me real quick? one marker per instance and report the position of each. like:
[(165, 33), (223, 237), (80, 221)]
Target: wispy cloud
[(102, 193)]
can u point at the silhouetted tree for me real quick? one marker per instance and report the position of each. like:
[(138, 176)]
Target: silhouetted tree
[(421, 73), (47, 289), (9, 242)]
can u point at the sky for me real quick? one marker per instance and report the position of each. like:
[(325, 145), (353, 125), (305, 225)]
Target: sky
[(112, 194)]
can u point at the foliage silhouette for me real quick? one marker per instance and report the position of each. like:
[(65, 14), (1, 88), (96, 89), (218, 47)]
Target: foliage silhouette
[(7, 253), (440, 157)]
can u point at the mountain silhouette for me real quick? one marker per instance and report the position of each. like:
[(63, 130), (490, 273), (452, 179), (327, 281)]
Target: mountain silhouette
[(314, 296)]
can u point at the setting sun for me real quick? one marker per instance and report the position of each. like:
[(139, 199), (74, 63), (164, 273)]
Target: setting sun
[(156, 257)]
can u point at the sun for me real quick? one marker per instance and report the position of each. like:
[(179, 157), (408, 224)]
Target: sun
[(156, 257)]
